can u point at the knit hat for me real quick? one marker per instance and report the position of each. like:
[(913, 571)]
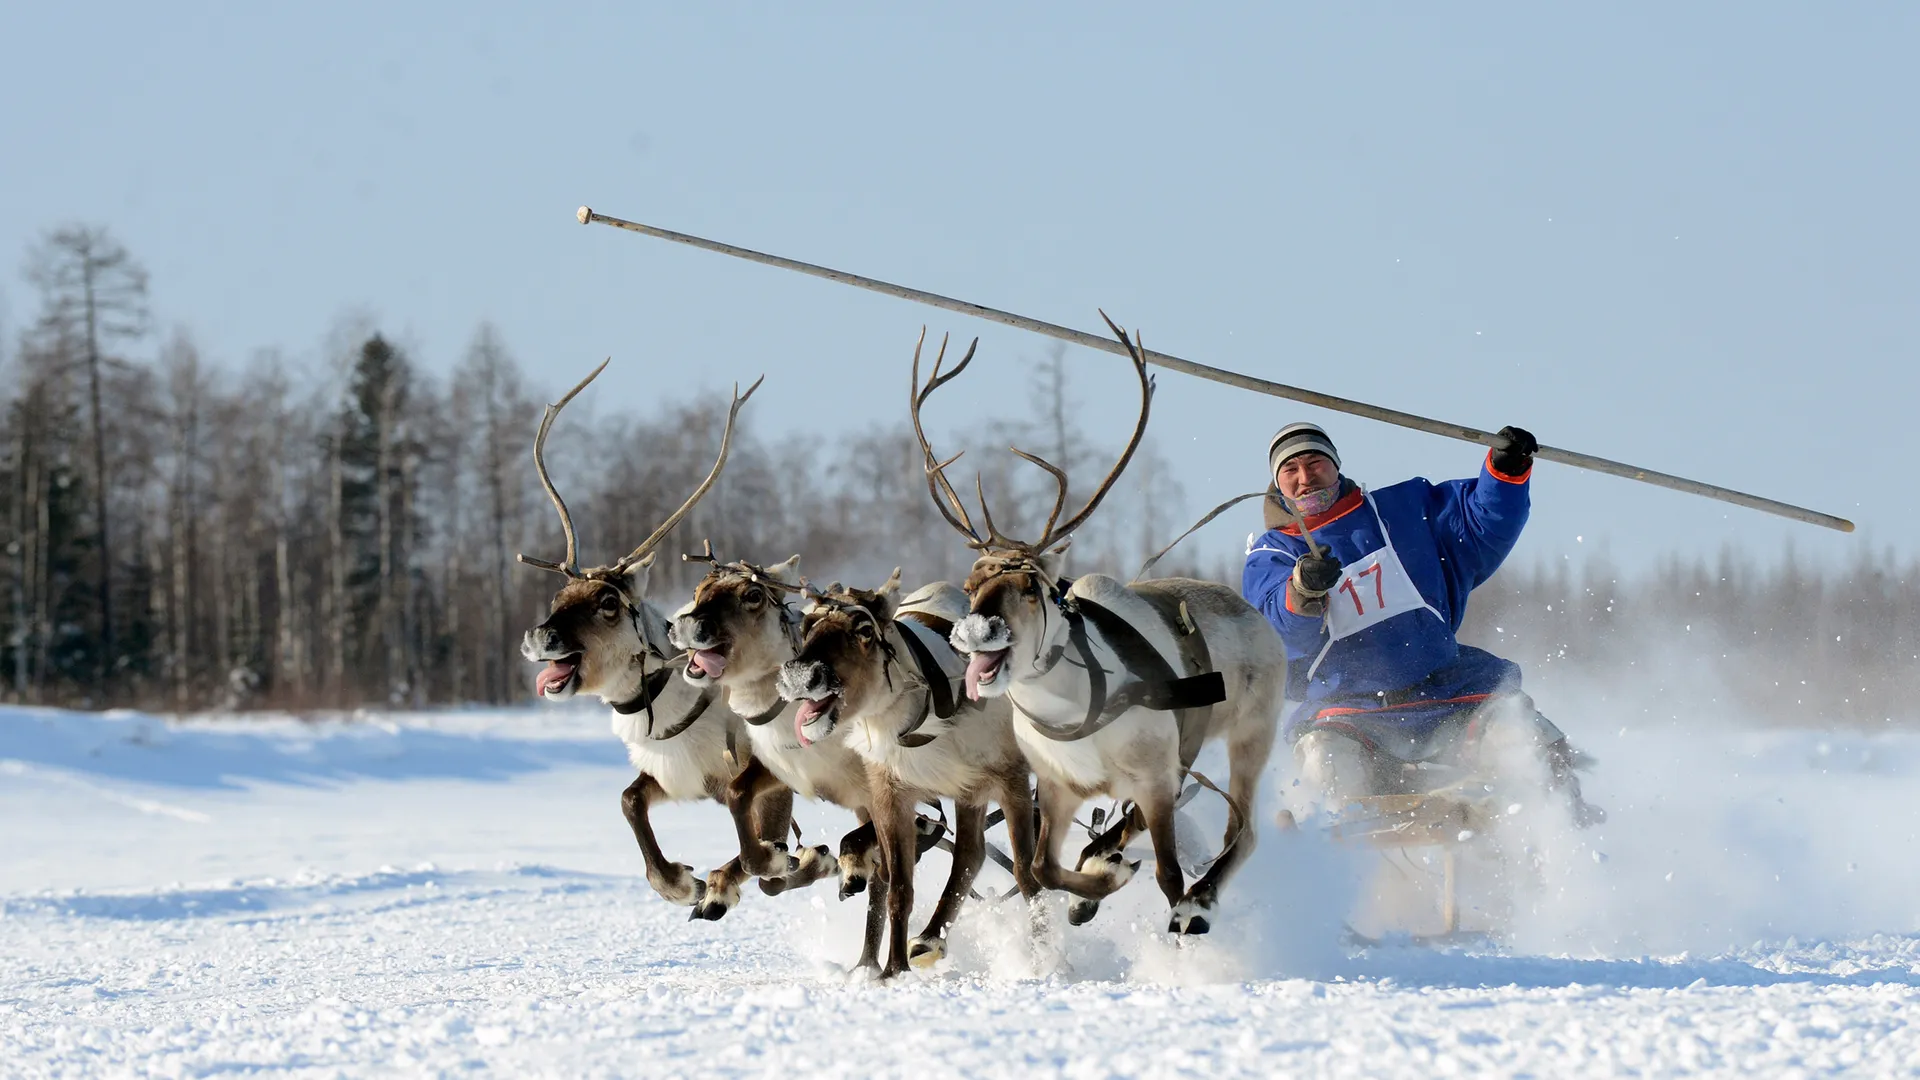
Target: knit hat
[(1300, 438)]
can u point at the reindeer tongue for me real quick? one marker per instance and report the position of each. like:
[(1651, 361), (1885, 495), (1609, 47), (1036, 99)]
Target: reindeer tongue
[(983, 663), (710, 662), (555, 674), (810, 710)]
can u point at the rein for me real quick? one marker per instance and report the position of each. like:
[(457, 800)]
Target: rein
[(654, 683), (1151, 681)]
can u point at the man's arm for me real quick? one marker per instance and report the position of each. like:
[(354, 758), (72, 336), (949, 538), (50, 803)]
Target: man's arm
[(1291, 591), (1478, 521)]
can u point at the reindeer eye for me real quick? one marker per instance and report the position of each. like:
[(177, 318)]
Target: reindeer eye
[(609, 604), (864, 631), (756, 595)]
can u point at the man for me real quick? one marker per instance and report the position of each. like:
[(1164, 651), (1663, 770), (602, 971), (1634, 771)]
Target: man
[(1369, 621)]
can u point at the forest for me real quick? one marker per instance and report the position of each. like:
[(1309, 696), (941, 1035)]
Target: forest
[(190, 536)]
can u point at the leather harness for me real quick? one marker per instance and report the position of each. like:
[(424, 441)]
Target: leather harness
[(1152, 683)]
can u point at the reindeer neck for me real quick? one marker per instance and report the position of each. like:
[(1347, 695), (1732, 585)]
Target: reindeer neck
[(755, 695)]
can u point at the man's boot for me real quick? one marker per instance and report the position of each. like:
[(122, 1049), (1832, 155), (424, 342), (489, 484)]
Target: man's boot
[(1560, 758)]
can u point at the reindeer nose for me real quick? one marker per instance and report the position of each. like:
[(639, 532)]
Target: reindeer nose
[(537, 643)]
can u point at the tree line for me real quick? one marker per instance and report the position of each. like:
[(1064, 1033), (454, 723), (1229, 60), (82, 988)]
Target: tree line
[(183, 535), (187, 537)]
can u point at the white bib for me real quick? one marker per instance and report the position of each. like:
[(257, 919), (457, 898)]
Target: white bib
[(1371, 590)]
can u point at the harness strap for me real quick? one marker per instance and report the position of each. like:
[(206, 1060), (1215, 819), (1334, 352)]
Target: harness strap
[(1154, 684), (650, 690), (761, 718), (1096, 717), (913, 738), (939, 687), (1197, 659)]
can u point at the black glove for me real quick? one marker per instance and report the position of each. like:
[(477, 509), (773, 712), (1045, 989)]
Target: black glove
[(1513, 450), (1313, 575)]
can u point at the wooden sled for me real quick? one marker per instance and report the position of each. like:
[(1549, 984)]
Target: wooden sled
[(1448, 819)]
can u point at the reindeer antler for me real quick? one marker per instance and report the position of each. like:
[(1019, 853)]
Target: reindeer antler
[(949, 502), (1051, 534), (571, 567), (757, 574), (945, 499), (726, 445)]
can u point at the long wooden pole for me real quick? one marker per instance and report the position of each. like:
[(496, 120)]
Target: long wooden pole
[(587, 216)]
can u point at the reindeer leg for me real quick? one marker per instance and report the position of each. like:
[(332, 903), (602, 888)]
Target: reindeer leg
[(858, 865), (876, 923), (1057, 804), (893, 821), (722, 891), (1246, 759), (673, 881), (757, 800), (1105, 851), (1016, 804), (1157, 808), (969, 852)]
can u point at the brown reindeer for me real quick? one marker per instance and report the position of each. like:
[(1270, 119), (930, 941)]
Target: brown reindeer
[(602, 637), (1114, 687), (884, 681), (738, 631)]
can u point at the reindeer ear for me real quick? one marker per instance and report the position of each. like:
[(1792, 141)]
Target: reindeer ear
[(786, 573), (636, 578), (1054, 563), (892, 586), (880, 603)]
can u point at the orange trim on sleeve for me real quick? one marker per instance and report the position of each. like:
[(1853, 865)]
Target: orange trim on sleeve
[(1505, 478)]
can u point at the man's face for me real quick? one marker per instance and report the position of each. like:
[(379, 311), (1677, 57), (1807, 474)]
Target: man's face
[(1303, 474)]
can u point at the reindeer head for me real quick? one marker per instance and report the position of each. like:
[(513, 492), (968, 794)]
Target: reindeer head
[(1014, 591), (600, 632), (739, 628), (848, 663)]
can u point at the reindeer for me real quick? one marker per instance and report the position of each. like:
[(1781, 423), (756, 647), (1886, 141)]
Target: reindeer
[(738, 631), (918, 741), (602, 637), (1093, 667)]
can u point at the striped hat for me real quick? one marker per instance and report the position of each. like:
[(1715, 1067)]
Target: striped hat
[(1299, 438)]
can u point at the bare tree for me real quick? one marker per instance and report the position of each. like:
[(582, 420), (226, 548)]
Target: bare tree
[(93, 296)]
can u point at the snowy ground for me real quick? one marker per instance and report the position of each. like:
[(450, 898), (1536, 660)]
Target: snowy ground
[(427, 894)]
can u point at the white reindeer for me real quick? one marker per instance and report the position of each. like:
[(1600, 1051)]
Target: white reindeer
[(1114, 687)]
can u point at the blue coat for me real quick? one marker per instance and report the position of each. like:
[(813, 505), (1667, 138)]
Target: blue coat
[(1398, 680)]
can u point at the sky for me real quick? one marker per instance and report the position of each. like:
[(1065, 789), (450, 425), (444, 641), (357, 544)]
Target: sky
[(1682, 236)]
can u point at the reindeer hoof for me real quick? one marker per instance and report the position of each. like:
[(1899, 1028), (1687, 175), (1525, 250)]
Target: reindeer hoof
[(1081, 911), (682, 889), (812, 864), (1113, 866), (772, 861), (1189, 919), (718, 897), (926, 952)]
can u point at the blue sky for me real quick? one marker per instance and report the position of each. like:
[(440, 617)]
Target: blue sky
[(1685, 238)]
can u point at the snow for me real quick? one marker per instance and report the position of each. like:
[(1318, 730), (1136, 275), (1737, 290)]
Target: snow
[(452, 892)]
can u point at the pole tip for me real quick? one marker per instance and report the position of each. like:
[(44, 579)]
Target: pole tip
[(584, 215)]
